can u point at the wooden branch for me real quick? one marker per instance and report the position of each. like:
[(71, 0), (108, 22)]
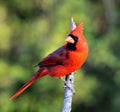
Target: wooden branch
[(69, 88)]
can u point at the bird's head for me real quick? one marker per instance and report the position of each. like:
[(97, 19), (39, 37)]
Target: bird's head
[(76, 39)]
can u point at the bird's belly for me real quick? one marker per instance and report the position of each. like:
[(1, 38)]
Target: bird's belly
[(72, 64), (58, 71)]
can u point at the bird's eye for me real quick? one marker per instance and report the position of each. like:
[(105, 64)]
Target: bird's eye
[(76, 38)]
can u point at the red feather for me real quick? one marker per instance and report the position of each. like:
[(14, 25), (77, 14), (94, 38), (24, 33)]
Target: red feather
[(62, 61)]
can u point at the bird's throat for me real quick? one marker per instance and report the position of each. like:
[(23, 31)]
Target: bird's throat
[(71, 47)]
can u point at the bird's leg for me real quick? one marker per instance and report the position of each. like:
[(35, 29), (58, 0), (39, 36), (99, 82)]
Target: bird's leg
[(66, 85)]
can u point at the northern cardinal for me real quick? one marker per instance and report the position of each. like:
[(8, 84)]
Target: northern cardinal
[(62, 61)]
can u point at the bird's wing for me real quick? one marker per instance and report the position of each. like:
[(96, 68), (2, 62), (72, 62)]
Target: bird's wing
[(56, 58)]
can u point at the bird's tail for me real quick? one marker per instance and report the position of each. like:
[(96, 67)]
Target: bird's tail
[(39, 74)]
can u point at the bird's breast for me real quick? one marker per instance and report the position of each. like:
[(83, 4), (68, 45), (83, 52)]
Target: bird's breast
[(76, 60)]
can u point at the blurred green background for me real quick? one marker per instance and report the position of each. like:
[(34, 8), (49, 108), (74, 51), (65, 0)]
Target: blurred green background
[(31, 29)]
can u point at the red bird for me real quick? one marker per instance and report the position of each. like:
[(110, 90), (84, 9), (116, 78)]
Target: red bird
[(62, 61)]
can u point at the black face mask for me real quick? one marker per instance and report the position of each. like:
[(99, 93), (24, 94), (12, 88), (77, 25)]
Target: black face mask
[(72, 46)]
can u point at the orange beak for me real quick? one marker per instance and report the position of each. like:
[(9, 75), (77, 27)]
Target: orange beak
[(69, 39)]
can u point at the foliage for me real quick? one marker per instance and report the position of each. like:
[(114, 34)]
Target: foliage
[(29, 30)]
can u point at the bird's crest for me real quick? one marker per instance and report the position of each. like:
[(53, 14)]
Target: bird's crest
[(78, 30)]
